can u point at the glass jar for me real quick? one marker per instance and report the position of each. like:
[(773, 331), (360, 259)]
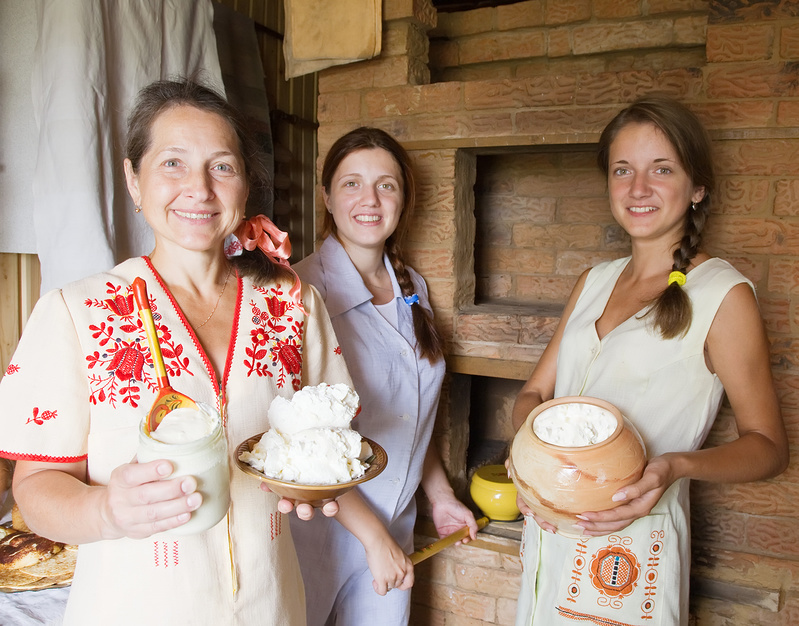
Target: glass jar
[(207, 460)]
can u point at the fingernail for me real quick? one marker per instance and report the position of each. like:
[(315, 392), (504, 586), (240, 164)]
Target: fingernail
[(194, 501), (184, 517), (163, 469), (187, 486), (618, 497), (550, 531), (582, 517)]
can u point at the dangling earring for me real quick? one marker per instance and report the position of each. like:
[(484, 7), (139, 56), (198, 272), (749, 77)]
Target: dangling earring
[(138, 208), (693, 206)]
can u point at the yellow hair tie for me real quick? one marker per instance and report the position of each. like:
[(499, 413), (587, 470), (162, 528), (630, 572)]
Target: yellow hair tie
[(677, 277)]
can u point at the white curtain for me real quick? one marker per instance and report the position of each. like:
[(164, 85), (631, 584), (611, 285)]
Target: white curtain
[(91, 59)]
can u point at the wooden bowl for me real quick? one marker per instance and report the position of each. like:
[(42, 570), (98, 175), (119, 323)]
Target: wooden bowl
[(315, 495)]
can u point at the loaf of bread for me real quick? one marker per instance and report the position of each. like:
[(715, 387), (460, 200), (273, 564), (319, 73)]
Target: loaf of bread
[(30, 562), (18, 550)]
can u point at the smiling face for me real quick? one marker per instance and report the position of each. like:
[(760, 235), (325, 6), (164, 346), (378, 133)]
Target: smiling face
[(365, 198), (191, 182), (649, 188)]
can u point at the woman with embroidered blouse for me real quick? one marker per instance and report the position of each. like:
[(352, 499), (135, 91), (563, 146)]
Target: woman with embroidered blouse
[(662, 334), (235, 331)]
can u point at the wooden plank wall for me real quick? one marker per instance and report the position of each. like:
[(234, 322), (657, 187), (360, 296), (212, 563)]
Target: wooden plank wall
[(293, 107), (19, 286)]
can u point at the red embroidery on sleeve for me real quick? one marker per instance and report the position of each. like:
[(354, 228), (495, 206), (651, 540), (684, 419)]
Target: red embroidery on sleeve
[(337, 350), (41, 419), (12, 368)]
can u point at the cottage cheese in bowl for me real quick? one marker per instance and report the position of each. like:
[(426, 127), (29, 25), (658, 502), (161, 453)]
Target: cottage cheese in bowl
[(310, 441), (574, 424)]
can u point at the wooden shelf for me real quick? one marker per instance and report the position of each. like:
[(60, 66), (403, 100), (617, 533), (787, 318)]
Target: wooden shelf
[(493, 368)]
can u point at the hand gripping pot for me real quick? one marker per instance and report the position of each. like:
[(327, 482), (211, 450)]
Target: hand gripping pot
[(560, 482)]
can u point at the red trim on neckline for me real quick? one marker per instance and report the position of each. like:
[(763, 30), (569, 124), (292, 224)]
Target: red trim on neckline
[(234, 331), (203, 356)]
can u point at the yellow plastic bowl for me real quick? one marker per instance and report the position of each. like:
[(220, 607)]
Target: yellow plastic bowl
[(494, 493)]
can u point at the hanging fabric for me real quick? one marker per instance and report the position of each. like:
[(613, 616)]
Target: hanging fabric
[(90, 61), (325, 34)]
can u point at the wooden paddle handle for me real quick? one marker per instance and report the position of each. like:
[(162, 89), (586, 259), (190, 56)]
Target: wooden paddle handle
[(438, 546), (146, 315)]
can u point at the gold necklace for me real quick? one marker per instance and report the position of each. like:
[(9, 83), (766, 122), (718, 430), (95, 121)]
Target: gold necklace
[(219, 299)]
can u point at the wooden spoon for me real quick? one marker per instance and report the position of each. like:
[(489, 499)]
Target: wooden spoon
[(167, 399), (437, 546)]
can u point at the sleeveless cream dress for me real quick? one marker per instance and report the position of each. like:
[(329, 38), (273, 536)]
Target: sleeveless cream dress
[(639, 575)]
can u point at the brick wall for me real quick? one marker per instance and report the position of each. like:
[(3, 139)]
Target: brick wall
[(522, 89)]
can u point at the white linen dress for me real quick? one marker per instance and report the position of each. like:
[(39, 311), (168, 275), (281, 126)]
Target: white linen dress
[(77, 388), (640, 574), (399, 393)]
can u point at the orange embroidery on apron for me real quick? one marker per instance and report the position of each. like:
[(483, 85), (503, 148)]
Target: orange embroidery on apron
[(651, 574), (614, 572), (585, 617), (578, 563)]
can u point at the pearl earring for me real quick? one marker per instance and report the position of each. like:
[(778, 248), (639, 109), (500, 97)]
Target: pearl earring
[(693, 206), (138, 208)]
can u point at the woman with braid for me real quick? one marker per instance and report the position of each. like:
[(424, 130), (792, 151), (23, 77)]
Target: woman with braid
[(662, 334), (382, 318)]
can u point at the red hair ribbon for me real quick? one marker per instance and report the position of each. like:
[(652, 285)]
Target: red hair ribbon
[(260, 231)]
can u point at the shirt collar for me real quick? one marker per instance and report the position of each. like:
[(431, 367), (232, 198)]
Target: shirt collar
[(350, 290)]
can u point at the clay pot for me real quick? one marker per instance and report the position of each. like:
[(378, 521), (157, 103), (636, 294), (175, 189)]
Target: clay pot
[(559, 482), (494, 493)]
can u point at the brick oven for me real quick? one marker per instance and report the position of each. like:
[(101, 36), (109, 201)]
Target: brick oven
[(501, 108)]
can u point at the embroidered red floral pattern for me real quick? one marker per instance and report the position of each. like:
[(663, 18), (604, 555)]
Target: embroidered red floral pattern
[(122, 364), (12, 368), (276, 338), (41, 418)]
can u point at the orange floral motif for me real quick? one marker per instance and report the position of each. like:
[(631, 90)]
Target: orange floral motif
[(615, 571)]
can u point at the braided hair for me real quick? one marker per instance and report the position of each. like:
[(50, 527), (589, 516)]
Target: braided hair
[(366, 138), (671, 310)]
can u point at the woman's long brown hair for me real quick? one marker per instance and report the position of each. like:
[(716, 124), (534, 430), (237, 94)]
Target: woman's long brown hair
[(366, 138), (671, 310)]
